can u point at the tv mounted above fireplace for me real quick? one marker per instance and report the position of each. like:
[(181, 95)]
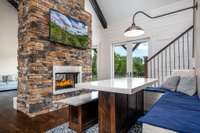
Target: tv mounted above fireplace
[(67, 30)]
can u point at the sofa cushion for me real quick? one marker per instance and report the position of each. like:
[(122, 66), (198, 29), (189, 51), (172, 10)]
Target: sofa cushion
[(156, 89), (188, 85), (171, 83), (11, 85), (175, 111), (12, 78)]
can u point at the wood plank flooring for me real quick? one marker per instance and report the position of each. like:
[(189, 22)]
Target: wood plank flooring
[(12, 121)]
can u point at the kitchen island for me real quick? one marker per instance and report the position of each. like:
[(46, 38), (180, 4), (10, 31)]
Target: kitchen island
[(120, 102)]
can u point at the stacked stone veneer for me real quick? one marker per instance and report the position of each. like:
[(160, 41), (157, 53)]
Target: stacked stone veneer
[(37, 55)]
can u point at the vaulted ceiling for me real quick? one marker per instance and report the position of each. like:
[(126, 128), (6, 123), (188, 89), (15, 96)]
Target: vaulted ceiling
[(112, 11), (117, 10)]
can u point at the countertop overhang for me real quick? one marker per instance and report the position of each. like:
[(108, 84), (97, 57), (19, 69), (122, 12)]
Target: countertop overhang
[(118, 85)]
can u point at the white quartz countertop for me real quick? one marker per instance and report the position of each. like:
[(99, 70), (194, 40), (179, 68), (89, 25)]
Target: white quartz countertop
[(118, 85)]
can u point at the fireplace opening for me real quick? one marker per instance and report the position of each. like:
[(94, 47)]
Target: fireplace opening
[(65, 81), (65, 78)]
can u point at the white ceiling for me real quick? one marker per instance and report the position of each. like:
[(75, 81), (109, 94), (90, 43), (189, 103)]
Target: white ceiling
[(117, 10)]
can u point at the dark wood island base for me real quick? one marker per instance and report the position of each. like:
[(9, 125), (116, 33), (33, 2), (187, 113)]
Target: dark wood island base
[(84, 116), (118, 112)]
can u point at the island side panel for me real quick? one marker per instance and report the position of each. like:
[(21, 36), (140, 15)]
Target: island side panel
[(122, 119), (107, 118), (140, 103), (118, 112)]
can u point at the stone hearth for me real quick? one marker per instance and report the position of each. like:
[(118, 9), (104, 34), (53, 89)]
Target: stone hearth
[(37, 55)]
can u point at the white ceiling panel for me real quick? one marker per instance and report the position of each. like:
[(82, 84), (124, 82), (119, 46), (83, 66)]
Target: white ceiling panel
[(117, 10)]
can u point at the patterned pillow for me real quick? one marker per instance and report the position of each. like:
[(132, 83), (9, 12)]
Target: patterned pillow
[(171, 83), (188, 85)]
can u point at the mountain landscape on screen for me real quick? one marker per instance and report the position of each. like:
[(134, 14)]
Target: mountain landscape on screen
[(67, 30)]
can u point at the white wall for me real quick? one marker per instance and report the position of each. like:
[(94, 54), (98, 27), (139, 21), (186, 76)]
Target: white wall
[(9, 31), (97, 30), (161, 31), (8, 38), (97, 33)]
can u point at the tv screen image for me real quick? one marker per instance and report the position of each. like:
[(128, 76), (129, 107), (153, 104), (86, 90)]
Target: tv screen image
[(67, 30)]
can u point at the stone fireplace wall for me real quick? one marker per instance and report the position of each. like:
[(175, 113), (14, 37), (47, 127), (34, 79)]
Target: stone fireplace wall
[(37, 55)]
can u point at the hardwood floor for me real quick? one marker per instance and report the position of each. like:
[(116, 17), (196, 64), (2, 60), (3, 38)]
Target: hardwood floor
[(12, 121)]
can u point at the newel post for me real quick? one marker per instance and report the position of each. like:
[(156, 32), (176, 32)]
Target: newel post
[(145, 67)]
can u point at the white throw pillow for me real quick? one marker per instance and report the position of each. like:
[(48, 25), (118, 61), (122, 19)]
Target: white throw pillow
[(171, 83), (188, 85)]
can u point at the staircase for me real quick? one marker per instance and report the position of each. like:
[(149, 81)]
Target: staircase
[(176, 55)]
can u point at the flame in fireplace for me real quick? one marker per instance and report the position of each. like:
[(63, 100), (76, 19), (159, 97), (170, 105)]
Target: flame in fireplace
[(64, 83)]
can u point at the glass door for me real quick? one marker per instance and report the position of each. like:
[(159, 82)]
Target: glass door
[(94, 64), (120, 61), (138, 55), (129, 59)]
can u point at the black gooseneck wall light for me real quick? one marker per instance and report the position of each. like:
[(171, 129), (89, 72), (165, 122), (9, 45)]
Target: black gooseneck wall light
[(134, 30)]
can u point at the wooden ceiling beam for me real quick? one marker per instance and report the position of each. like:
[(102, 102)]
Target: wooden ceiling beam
[(14, 3), (99, 13)]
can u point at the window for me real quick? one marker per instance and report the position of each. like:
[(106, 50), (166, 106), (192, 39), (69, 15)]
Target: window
[(138, 59), (94, 64), (120, 55), (129, 59)]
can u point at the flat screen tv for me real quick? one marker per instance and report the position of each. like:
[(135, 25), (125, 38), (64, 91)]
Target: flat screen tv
[(68, 31)]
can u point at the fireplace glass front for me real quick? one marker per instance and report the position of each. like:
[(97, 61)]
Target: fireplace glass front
[(65, 80)]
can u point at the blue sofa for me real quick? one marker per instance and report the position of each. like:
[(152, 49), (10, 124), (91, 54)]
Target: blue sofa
[(175, 111)]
